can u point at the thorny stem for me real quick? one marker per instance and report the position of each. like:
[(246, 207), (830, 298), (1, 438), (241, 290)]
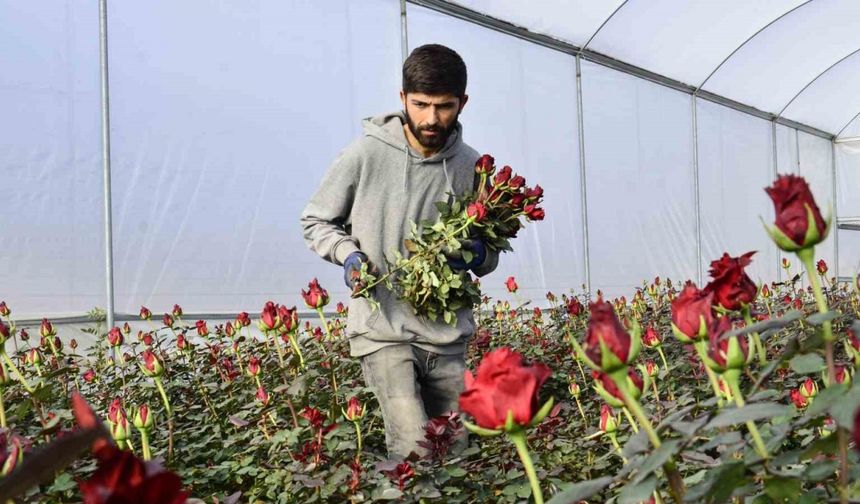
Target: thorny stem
[(731, 377), (519, 439)]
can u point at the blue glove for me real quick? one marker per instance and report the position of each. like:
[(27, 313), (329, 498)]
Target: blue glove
[(479, 255), (352, 268)]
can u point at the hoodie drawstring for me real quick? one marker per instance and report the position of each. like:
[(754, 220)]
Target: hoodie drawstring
[(406, 173)]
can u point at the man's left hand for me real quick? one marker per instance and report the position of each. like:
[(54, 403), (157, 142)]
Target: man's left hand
[(475, 246)]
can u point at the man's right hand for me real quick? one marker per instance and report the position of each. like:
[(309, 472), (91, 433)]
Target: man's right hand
[(352, 268)]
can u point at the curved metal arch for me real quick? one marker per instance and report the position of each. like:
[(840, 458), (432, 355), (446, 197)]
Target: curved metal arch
[(846, 125), (852, 53), (585, 46), (754, 35)]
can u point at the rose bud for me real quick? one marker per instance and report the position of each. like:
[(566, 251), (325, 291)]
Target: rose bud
[(574, 307), (651, 368), (843, 376), (485, 165), (143, 419), (89, 376), (202, 330), (147, 338), (799, 401), (726, 353), (476, 211), (145, 314), (821, 266), (33, 357), (535, 194), (786, 264), (262, 396), (230, 330), (511, 285), (518, 201), (608, 421), (502, 176), (340, 308), (152, 365), (167, 320), (608, 390), (354, 410), (126, 329), (574, 389), (73, 343), (253, 366), (608, 346), (798, 223), (808, 389), (5, 332), (516, 182), (732, 288), (244, 319), (24, 335), (269, 319), (4, 310), (316, 297), (289, 319), (177, 311), (182, 344), (14, 455), (765, 292), (651, 338), (691, 314), (46, 329), (115, 337), (504, 394)]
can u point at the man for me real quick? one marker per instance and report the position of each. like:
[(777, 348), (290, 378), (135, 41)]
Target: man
[(394, 175)]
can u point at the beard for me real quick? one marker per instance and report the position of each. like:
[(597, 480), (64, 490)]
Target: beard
[(435, 141)]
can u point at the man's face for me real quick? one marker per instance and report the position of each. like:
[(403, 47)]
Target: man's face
[(432, 118)]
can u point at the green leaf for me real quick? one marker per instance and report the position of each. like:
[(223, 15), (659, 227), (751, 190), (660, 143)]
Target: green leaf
[(783, 489), (656, 460), (581, 491), (638, 492), (719, 483), (807, 363), (821, 470), (820, 318), (825, 399), (756, 411)]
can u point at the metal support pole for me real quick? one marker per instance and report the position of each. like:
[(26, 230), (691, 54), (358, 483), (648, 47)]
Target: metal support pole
[(696, 195), (582, 188), (105, 105), (775, 174), (404, 39), (835, 206)]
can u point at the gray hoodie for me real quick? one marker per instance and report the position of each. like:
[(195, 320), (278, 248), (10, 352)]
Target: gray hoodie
[(365, 202)]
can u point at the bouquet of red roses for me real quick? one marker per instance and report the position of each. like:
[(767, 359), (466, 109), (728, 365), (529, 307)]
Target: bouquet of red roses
[(494, 213)]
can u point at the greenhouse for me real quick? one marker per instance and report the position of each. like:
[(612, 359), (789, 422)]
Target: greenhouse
[(169, 168)]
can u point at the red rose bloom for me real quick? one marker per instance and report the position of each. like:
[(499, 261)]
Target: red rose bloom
[(605, 326), (511, 284), (794, 205), (689, 308), (503, 384), (732, 287), (485, 165), (476, 211), (316, 297)]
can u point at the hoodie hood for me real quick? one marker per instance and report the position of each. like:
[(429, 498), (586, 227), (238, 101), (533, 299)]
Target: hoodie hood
[(388, 128)]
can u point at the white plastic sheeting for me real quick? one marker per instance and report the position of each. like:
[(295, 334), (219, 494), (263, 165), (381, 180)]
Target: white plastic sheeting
[(51, 257), (735, 165), (639, 165), (848, 205), (522, 110), (221, 135)]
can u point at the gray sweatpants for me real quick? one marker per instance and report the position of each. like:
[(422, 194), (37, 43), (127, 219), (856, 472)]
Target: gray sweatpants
[(412, 385)]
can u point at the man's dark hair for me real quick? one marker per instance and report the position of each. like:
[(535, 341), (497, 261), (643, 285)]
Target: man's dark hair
[(435, 70)]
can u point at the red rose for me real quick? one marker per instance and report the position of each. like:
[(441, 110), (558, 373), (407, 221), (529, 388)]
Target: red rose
[(202, 330), (152, 365), (651, 338), (502, 176), (503, 384), (46, 329), (535, 213), (511, 284), (485, 165), (316, 297), (534, 194), (609, 385), (269, 315), (289, 318), (122, 477), (516, 182), (4, 332), (244, 319), (145, 314), (799, 401), (115, 337), (354, 410), (4, 310), (574, 307), (476, 211), (688, 311), (263, 396), (89, 376), (604, 326), (253, 366), (732, 287), (727, 353), (177, 311), (794, 205), (821, 266), (167, 320)]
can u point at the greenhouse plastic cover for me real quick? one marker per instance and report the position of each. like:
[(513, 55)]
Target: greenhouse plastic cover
[(224, 117)]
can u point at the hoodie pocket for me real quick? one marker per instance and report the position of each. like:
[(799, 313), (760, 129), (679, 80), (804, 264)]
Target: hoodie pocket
[(361, 317)]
